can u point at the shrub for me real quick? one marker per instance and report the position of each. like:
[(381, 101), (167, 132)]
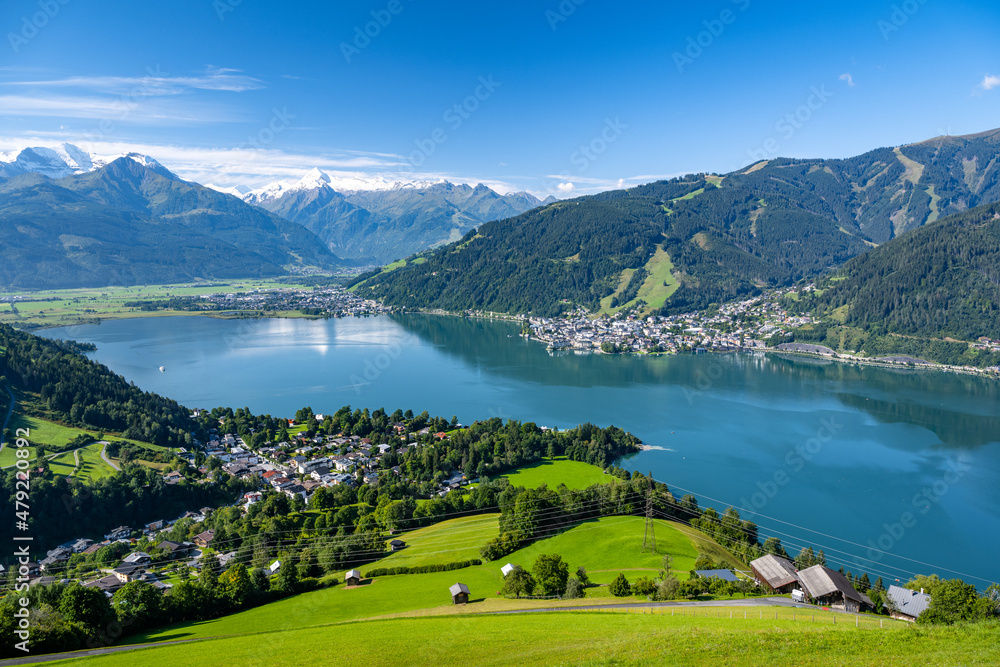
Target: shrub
[(620, 587), (421, 569)]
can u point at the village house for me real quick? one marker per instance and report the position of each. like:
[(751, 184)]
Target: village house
[(138, 558), (352, 578), (127, 572), (118, 533), (774, 573), (204, 539), (907, 605), (832, 589)]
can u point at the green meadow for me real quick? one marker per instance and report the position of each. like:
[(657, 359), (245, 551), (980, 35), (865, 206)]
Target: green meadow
[(584, 638), (556, 471), (52, 308)]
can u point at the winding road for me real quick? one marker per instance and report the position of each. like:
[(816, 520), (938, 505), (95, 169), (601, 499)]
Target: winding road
[(104, 454)]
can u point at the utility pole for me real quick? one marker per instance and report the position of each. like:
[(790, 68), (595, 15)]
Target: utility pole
[(649, 536)]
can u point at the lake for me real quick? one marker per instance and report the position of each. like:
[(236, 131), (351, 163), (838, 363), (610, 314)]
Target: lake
[(895, 469)]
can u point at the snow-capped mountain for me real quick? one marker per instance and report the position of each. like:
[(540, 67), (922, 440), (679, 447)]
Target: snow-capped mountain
[(378, 221), (62, 160), (316, 180)]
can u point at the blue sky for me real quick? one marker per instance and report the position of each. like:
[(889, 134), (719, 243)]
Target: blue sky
[(554, 97)]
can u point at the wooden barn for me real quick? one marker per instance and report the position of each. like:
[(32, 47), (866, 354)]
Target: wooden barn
[(459, 593), (396, 545), (831, 588), (353, 578), (777, 574)]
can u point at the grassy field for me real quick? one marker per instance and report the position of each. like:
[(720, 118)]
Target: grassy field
[(606, 308), (658, 286), (47, 432), (63, 307), (445, 542), (605, 547), (63, 465), (585, 638), (556, 471), (92, 466), (614, 544)]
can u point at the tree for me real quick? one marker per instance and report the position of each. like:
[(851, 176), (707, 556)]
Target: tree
[(551, 573), (518, 582), (620, 587), (288, 577), (928, 583), (87, 606), (235, 585), (668, 588), (209, 575), (138, 603), (954, 601), (806, 558), (644, 586), (574, 589), (581, 575), (772, 545)]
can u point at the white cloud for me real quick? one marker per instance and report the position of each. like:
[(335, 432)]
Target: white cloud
[(848, 78), (155, 82), (989, 82), (229, 167), (565, 188)]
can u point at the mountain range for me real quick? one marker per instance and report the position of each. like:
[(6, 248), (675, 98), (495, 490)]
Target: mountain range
[(369, 221), (680, 245), (381, 224), (131, 221)]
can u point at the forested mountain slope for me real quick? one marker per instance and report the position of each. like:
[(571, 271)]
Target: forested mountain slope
[(725, 237)]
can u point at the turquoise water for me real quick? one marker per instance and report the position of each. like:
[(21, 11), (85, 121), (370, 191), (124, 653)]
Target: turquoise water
[(897, 468)]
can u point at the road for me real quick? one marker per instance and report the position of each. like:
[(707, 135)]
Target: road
[(104, 454), (35, 659)]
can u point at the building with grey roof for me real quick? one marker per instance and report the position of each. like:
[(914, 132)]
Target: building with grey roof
[(831, 588), (459, 593), (907, 605), (775, 573)]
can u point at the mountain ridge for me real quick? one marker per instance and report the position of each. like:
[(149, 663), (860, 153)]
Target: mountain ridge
[(727, 236), (131, 222)]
